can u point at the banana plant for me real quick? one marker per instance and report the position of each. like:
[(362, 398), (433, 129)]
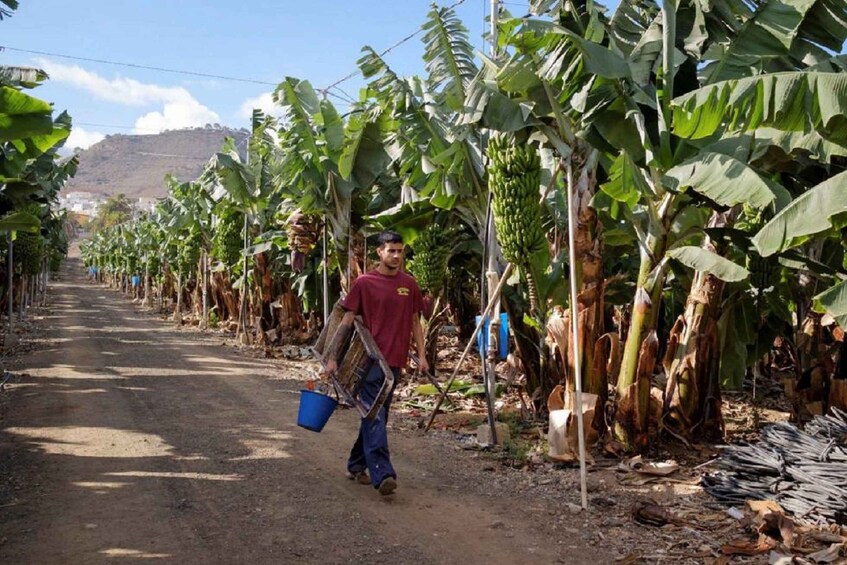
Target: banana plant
[(621, 75), (194, 206), (30, 174), (10, 6), (247, 187), (312, 184)]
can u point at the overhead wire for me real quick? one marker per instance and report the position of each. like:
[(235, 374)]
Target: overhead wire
[(152, 68), (326, 91), (135, 65), (343, 96)]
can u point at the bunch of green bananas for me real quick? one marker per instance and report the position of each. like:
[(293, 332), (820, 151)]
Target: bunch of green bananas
[(27, 252), (56, 258), (429, 264), (228, 241), (514, 175), (153, 266), (189, 254)]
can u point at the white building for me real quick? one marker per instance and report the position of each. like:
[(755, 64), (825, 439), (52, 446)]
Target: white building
[(81, 202)]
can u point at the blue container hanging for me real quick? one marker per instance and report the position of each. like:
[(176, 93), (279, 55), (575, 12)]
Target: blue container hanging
[(315, 410), (135, 280), (482, 336)]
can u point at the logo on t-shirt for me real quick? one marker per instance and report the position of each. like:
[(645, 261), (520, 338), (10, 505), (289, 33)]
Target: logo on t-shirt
[(403, 291)]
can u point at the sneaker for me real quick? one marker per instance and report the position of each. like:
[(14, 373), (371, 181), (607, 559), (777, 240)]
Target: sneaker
[(387, 486), (360, 477)]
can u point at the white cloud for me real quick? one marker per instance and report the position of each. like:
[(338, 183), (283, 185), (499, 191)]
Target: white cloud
[(177, 115), (82, 138), (179, 108), (264, 102)]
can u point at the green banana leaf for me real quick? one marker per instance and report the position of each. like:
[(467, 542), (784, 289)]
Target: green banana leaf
[(834, 302), (770, 31), (701, 259), (234, 180), (811, 213), (22, 115), (21, 77), (479, 390), (789, 101), (20, 221), (363, 157), (721, 178), (448, 56), (733, 363)]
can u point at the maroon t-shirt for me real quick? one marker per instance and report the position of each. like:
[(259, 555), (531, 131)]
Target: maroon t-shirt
[(388, 306)]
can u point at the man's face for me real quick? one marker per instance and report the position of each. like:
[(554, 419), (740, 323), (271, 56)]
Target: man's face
[(391, 255)]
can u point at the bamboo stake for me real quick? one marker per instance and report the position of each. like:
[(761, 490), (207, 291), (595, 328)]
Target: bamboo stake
[(241, 334), (10, 266), (325, 275), (205, 267), (45, 278), (489, 276), (575, 334), (494, 298)]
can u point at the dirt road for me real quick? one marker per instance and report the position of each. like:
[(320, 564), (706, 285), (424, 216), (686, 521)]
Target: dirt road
[(129, 439)]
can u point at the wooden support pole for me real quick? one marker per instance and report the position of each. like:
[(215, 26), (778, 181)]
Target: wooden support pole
[(575, 332)]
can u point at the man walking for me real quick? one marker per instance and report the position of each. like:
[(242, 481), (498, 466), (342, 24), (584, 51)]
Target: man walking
[(390, 303)]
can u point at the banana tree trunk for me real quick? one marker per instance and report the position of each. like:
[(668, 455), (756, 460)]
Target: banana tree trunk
[(228, 306), (22, 298), (814, 362), (45, 276), (535, 362), (178, 309), (433, 325), (692, 360), (262, 274), (147, 302), (838, 386), (639, 356), (161, 291), (589, 270)]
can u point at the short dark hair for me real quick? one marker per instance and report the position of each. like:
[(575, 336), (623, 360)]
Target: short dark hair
[(388, 237)]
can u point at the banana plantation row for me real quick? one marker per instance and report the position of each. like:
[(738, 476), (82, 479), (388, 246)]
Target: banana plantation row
[(704, 142), (35, 233)]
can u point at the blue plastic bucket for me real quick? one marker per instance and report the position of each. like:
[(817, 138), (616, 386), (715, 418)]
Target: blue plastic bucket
[(315, 410), (482, 336)]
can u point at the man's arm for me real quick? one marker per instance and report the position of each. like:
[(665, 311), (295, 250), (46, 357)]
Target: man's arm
[(417, 332), (345, 328)]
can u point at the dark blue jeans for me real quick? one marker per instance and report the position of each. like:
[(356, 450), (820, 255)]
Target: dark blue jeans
[(371, 448)]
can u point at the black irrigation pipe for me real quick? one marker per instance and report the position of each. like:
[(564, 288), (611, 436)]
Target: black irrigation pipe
[(805, 471)]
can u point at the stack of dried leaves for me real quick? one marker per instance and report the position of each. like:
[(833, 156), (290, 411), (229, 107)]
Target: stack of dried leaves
[(785, 540)]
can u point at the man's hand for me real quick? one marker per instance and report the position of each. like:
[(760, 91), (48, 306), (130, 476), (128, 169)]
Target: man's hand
[(331, 367), (423, 366)]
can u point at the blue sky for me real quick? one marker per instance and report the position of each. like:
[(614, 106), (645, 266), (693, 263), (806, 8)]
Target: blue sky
[(261, 40)]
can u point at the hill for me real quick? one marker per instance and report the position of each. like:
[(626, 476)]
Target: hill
[(136, 165)]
